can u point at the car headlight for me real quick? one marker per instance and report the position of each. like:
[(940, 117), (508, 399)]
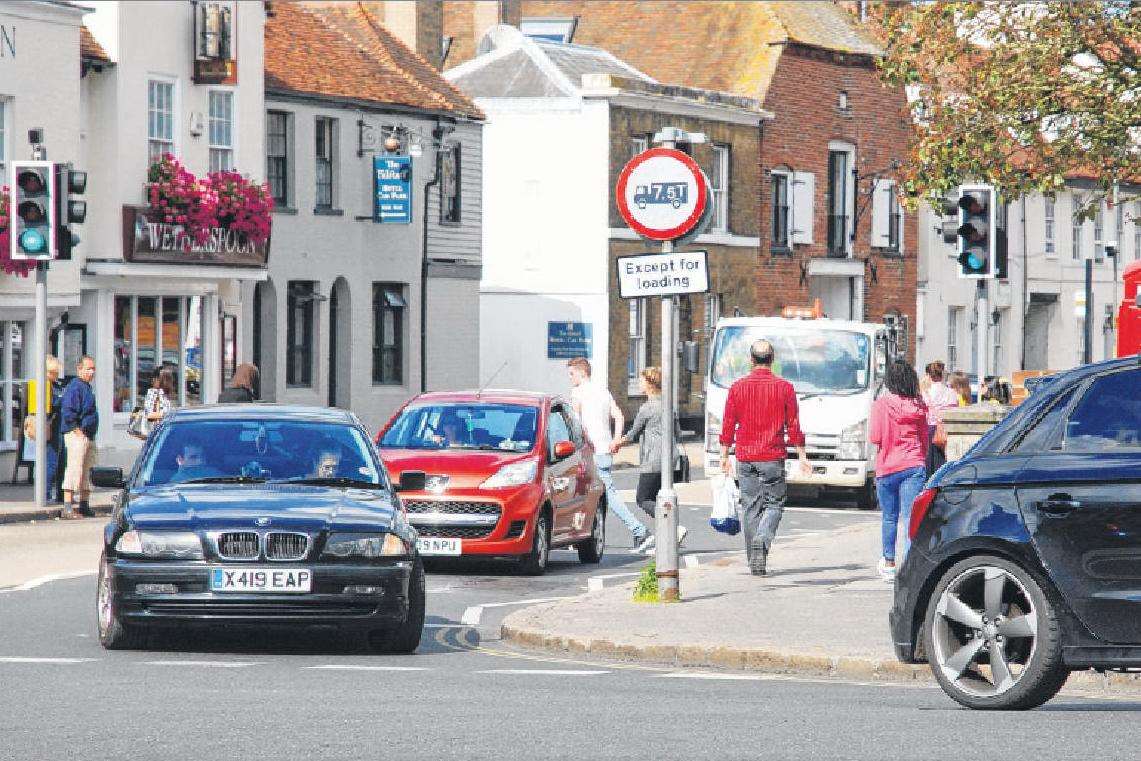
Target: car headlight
[(365, 546), (515, 474), (171, 545), (712, 432), (853, 442)]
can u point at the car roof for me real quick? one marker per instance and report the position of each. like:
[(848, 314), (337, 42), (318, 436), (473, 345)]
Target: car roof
[(819, 323), (1085, 371), (262, 411), (486, 396)]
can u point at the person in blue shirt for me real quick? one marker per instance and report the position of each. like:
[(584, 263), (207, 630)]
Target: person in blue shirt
[(79, 422)]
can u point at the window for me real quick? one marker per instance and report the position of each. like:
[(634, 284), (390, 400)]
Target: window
[(887, 217), (719, 181), (839, 198), (557, 430), (221, 130), (160, 118), (712, 312), (1076, 232), (1137, 230), (895, 222), (1119, 230), (13, 351), (638, 145), (1108, 417), (953, 318), (1048, 219), (549, 29), (3, 141), (277, 163), (299, 333), (1099, 235), (450, 176), (780, 211), (1042, 435), (996, 346), (388, 305), (153, 333), (636, 351), (326, 157)]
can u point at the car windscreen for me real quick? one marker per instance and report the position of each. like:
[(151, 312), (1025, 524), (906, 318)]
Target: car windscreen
[(815, 361), (501, 427), (258, 449)]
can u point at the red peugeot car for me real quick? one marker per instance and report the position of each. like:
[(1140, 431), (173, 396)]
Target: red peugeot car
[(509, 474)]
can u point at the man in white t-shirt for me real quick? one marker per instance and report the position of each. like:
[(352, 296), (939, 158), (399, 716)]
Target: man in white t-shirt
[(602, 421)]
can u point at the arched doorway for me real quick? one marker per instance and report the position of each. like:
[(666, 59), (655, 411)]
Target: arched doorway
[(340, 344), (265, 339)]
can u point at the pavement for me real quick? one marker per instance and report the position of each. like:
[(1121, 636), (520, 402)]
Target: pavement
[(18, 504)]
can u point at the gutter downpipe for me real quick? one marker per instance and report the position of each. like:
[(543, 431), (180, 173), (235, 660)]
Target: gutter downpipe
[(1025, 282), (424, 277)]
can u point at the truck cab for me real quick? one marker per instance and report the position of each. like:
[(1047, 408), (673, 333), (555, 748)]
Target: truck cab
[(837, 368)]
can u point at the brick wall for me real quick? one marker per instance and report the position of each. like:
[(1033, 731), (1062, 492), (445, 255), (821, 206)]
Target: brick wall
[(804, 97)]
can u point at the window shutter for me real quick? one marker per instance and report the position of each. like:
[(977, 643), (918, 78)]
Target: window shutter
[(881, 213), (803, 197)]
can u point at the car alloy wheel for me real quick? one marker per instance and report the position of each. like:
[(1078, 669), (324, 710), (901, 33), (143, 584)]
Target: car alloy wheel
[(590, 549), (103, 601), (534, 563), (985, 631)]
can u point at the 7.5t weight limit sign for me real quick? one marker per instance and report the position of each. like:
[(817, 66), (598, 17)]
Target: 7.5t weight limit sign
[(662, 194)]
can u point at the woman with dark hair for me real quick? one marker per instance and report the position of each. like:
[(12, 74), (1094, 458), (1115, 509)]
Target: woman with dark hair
[(939, 397), (156, 405), (243, 386), (898, 427)]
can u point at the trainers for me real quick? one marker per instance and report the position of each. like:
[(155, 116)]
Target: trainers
[(681, 532), (886, 571), (644, 543)]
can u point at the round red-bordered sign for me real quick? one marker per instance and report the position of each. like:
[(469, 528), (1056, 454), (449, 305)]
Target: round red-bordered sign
[(661, 193)]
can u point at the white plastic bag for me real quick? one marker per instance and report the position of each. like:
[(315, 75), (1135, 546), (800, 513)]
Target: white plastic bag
[(723, 517)]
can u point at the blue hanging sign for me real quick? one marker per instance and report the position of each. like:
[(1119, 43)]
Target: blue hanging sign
[(392, 189), (567, 340)]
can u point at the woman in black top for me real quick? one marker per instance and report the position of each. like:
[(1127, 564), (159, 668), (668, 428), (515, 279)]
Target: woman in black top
[(243, 386)]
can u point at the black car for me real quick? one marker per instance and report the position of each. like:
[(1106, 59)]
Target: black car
[(1025, 561), (260, 514)]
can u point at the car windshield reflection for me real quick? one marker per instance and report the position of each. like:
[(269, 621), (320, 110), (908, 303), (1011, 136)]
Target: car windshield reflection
[(497, 427)]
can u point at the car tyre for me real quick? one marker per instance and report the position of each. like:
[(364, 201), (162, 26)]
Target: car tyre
[(866, 496), (534, 563), (405, 638), (1027, 612), (114, 633), (590, 550)]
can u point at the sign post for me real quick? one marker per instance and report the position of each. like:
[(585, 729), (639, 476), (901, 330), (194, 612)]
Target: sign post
[(664, 196)]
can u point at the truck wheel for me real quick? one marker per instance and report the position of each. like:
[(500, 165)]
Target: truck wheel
[(866, 498)]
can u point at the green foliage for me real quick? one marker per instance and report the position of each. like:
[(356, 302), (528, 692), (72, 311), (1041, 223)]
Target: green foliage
[(1021, 95), (646, 590)]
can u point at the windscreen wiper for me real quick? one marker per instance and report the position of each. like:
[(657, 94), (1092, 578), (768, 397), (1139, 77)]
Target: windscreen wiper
[(331, 481), (225, 480)]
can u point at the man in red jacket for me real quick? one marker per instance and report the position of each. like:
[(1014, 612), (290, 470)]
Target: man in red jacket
[(762, 417)]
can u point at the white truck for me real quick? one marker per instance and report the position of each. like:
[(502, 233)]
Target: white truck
[(837, 368)]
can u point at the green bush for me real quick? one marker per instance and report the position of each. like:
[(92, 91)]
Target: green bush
[(646, 590)]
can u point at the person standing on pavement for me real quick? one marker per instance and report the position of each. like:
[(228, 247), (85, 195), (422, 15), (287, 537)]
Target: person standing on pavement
[(898, 426), (598, 411), (763, 418), (939, 397), (243, 386), (647, 430), (79, 422), (56, 458), (961, 385)]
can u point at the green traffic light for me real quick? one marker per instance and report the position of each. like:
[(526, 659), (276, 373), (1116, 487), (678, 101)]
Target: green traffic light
[(32, 241)]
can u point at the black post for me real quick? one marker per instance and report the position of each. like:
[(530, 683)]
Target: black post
[(1087, 345), (424, 280)]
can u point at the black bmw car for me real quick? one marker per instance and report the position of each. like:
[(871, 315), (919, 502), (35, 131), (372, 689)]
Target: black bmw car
[(260, 514), (1025, 561)]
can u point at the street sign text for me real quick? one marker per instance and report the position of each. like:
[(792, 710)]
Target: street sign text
[(671, 274)]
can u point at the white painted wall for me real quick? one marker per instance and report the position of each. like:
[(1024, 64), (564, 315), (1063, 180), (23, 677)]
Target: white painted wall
[(546, 234), (1046, 274)]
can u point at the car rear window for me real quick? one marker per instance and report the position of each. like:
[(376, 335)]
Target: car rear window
[(500, 427)]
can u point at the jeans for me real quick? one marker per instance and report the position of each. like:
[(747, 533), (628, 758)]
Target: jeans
[(897, 492), (614, 502), (763, 493), (649, 484), (52, 471)]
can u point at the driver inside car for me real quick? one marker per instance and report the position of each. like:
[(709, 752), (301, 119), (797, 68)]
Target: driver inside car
[(191, 463)]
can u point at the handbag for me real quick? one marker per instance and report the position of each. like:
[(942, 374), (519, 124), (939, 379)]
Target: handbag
[(723, 516), (137, 427), (681, 469), (939, 438)]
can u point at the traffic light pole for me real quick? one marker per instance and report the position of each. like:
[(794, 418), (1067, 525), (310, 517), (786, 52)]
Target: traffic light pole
[(42, 392), (982, 319), (1087, 322)]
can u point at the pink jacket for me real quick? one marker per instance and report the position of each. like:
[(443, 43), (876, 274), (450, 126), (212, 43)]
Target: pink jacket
[(898, 426), (939, 398)]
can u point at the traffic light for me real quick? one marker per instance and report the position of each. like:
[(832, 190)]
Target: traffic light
[(70, 210), (978, 251), (33, 211)]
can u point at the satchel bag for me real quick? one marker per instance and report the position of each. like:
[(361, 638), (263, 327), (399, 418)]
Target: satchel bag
[(939, 438)]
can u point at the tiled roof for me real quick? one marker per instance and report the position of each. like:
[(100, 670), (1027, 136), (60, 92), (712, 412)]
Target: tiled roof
[(822, 25), (343, 51), (89, 47)]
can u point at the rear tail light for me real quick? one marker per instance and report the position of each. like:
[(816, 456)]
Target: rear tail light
[(919, 510)]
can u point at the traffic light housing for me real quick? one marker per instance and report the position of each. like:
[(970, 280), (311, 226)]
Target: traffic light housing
[(70, 210), (33, 211), (978, 249)]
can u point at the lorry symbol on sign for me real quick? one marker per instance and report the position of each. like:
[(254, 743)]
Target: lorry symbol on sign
[(673, 193)]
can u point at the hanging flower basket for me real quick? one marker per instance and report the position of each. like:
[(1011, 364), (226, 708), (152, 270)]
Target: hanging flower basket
[(7, 264)]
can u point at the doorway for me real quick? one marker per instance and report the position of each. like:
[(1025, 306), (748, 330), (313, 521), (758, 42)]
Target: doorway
[(1038, 315), (340, 345), (265, 340)]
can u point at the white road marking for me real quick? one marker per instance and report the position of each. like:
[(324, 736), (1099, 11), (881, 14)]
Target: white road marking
[(708, 675), (473, 614), (350, 667), (549, 672), (205, 664), (445, 626), (598, 583), (41, 580), (20, 659)]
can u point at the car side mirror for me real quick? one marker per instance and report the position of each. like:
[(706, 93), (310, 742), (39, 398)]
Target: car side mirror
[(412, 480), (564, 449), (690, 353), (109, 478)]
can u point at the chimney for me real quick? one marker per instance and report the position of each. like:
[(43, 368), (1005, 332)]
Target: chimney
[(488, 13), (419, 24)]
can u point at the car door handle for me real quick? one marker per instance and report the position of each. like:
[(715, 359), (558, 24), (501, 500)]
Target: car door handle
[(1058, 504)]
